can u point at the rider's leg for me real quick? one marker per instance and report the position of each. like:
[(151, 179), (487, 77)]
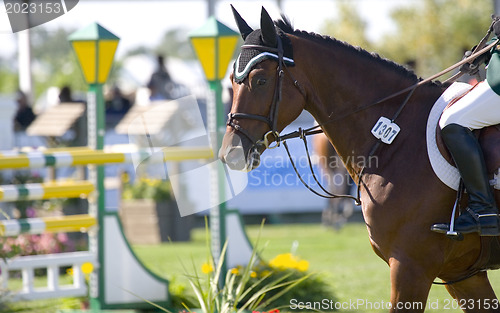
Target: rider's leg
[(478, 109), (482, 214)]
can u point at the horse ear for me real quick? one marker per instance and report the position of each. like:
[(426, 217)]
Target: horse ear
[(243, 27), (269, 34)]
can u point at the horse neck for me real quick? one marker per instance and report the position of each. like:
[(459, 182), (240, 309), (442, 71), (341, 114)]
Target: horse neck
[(342, 82)]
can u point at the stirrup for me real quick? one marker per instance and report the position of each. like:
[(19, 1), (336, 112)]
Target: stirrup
[(452, 233)]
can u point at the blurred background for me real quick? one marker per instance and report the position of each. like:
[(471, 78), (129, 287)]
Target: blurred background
[(428, 34), (39, 71)]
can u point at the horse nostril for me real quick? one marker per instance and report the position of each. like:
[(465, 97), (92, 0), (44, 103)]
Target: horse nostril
[(254, 157), (255, 162)]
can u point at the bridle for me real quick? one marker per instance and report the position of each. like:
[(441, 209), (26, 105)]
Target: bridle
[(272, 121)]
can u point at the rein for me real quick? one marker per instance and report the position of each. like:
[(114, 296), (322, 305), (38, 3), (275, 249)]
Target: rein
[(302, 133), (314, 130), (272, 119), (479, 50)]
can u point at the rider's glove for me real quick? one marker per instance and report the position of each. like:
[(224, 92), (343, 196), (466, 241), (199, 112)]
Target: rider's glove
[(469, 68), (496, 25)]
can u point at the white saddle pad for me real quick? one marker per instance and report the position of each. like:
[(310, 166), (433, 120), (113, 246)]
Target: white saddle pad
[(447, 173)]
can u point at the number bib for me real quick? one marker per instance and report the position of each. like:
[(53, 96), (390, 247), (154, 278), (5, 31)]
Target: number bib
[(385, 130)]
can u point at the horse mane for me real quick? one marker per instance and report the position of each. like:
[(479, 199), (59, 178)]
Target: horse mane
[(286, 26)]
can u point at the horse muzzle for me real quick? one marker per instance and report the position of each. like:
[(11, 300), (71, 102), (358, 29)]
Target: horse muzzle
[(237, 156)]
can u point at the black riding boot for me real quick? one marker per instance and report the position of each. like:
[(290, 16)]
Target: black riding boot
[(481, 215)]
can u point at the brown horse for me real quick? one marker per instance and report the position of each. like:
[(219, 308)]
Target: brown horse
[(401, 196)]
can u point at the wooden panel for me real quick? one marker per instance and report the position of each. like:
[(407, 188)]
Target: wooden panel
[(147, 120), (57, 120), (140, 221)]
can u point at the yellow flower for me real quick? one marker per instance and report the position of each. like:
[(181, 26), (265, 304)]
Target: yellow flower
[(302, 265), (288, 260), (235, 271), (125, 177), (69, 271), (265, 273), (282, 261), (87, 268), (207, 268), (253, 274)]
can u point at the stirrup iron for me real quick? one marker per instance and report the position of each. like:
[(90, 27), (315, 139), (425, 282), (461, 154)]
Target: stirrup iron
[(451, 233)]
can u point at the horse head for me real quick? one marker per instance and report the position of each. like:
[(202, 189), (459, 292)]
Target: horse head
[(265, 98)]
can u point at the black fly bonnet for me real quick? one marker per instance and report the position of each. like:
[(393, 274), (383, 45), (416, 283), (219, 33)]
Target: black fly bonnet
[(269, 42), (248, 58)]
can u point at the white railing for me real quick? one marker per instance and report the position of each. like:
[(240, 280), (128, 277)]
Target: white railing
[(53, 263)]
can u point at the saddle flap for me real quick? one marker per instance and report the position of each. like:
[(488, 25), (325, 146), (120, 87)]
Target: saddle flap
[(489, 139), (490, 142)]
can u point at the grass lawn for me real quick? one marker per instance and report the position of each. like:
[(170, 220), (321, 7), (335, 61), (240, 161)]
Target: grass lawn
[(344, 258)]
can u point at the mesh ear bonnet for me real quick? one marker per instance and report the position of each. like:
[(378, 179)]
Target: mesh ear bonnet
[(248, 58)]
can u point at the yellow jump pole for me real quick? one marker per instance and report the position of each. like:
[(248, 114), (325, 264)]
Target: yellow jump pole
[(76, 189), (88, 156), (53, 224)]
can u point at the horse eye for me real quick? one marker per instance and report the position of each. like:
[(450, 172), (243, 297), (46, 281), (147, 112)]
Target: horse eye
[(261, 81)]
